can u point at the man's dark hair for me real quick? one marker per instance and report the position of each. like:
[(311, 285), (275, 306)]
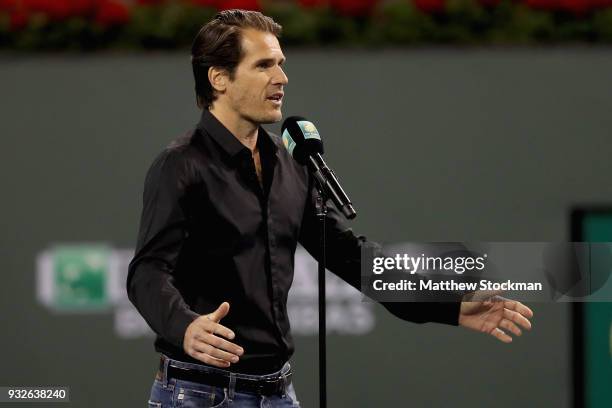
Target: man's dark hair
[(218, 44)]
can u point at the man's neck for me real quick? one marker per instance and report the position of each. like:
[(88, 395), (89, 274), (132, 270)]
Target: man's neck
[(243, 130)]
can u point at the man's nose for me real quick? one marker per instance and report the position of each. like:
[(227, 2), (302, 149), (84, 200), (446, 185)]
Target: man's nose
[(280, 77)]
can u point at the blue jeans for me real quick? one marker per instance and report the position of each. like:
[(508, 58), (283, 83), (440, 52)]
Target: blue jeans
[(170, 392)]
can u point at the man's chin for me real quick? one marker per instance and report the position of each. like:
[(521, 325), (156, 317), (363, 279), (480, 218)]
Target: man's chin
[(273, 118)]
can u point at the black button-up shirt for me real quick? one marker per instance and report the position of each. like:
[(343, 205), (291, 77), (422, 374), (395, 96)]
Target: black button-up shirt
[(210, 233)]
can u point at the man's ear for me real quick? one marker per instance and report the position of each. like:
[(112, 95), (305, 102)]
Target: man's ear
[(218, 79)]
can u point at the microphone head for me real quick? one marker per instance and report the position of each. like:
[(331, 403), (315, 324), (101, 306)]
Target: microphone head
[(301, 138)]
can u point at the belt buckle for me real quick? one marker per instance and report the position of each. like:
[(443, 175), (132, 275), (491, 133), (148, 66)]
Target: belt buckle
[(279, 385), (268, 386), (260, 388)]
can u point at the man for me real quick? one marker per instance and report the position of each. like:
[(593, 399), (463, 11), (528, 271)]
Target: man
[(223, 210)]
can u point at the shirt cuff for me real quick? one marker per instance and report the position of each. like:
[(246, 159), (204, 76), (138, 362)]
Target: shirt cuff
[(423, 312), (179, 326)]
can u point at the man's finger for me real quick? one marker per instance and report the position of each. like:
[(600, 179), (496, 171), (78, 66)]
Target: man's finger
[(511, 327), (212, 351), (205, 358), (216, 328), (500, 335), (220, 313), (222, 344), (517, 318), (518, 307)]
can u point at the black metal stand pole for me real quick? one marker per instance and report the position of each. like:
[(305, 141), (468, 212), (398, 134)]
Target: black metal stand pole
[(321, 213)]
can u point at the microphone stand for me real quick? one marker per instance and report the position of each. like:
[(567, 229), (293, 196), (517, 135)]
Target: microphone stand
[(321, 208), (322, 175), (321, 212)]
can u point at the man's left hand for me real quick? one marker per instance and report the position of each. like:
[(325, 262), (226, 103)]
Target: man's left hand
[(487, 312)]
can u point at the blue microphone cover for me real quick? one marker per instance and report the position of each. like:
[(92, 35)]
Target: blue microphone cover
[(301, 138)]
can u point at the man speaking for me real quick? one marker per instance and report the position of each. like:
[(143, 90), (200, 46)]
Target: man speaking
[(224, 208)]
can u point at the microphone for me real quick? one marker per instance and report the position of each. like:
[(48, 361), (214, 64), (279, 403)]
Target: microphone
[(304, 143)]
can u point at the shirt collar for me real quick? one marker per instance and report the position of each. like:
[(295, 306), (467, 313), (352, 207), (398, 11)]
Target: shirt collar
[(228, 142)]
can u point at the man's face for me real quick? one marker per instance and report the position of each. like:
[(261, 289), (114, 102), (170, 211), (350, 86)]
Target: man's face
[(256, 93)]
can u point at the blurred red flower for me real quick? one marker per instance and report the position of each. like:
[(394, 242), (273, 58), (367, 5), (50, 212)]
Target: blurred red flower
[(18, 19), (601, 3), (8, 4), (83, 7), (239, 4), (313, 3), (112, 12), (575, 6), (150, 2), (430, 6), (54, 9), (204, 3), (354, 8), (542, 4)]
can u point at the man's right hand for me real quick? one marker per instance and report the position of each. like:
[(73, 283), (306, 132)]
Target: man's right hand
[(202, 343)]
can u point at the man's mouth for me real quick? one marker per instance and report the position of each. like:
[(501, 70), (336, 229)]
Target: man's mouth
[(277, 97)]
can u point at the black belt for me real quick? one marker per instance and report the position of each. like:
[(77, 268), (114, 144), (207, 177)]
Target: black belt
[(272, 386)]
